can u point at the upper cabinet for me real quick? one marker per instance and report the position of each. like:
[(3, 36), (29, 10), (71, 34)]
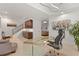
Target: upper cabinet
[(29, 24)]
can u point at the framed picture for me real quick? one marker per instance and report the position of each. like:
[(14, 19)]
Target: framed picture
[(11, 25)]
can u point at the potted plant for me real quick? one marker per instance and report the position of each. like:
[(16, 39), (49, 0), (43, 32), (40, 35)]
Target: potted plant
[(74, 30)]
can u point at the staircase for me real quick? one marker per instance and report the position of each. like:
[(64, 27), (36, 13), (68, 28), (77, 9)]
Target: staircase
[(26, 24), (17, 29)]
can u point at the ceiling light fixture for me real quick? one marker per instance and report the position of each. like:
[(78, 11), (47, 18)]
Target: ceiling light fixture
[(45, 22), (62, 12)]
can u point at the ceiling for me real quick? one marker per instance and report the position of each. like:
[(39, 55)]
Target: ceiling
[(21, 10), (61, 7)]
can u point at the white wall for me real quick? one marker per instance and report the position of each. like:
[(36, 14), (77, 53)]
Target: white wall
[(37, 26), (38, 15), (18, 15), (40, 7), (4, 22)]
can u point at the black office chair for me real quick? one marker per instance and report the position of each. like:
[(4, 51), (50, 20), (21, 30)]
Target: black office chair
[(58, 40)]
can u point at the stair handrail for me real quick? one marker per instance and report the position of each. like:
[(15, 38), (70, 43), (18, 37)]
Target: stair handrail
[(17, 29)]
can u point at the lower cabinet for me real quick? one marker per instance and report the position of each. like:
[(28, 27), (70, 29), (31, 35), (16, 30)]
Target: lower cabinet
[(28, 35), (45, 33)]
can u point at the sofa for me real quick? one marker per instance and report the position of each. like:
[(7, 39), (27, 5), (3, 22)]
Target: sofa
[(7, 47)]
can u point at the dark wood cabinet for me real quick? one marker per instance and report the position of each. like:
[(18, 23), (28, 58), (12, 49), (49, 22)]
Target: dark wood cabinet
[(29, 24), (45, 33), (28, 35)]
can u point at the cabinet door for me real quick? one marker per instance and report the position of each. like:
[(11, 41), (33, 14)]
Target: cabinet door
[(29, 24), (45, 33), (28, 35)]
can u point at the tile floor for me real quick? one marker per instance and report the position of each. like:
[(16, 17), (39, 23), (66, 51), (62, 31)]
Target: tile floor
[(40, 49)]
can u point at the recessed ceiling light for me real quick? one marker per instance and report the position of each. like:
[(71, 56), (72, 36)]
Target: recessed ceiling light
[(62, 12), (25, 17), (45, 22)]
